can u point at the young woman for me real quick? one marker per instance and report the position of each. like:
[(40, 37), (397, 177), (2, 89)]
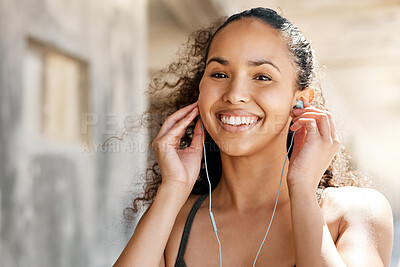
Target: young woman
[(243, 76)]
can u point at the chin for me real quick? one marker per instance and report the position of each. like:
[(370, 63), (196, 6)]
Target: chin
[(234, 148)]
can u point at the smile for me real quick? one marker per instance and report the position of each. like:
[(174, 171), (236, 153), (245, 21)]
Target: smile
[(236, 120), (239, 123)]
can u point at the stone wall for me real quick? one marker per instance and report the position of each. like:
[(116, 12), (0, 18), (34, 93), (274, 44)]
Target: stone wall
[(62, 202)]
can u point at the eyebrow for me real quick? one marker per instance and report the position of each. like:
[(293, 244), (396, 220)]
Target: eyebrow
[(251, 63), (220, 60)]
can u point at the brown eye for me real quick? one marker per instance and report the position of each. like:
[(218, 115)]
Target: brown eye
[(263, 78), (219, 75)]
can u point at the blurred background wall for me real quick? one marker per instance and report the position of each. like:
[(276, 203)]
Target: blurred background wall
[(71, 72)]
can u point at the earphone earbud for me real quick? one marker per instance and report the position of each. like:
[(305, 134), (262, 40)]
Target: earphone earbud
[(299, 104)]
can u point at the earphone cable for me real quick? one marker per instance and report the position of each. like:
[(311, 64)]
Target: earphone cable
[(276, 201), (211, 214), (209, 209)]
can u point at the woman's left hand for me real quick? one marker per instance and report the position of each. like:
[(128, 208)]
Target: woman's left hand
[(315, 145)]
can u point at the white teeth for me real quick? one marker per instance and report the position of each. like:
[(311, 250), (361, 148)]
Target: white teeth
[(238, 121), (231, 120)]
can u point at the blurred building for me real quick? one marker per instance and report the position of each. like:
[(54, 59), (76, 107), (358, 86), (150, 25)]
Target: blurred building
[(72, 72)]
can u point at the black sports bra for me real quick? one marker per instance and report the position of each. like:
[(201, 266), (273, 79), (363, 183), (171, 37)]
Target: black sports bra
[(180, 262)]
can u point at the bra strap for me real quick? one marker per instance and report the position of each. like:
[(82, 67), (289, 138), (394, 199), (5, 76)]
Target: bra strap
[(188, 225)]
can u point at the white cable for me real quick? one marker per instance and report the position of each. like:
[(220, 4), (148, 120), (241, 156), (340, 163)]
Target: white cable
[(210, 212), (276, 201), (209, 209)]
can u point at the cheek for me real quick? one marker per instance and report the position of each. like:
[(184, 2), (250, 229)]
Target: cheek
[(205, 99), (208, 93), (269, 100), (276, 106)]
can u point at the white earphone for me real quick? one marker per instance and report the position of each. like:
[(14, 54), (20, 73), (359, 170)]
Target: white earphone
[(300, 105)]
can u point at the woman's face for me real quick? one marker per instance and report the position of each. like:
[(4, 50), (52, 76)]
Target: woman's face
[(247, 89)]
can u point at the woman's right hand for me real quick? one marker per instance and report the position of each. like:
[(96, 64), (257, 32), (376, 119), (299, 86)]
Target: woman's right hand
[(179, 167)]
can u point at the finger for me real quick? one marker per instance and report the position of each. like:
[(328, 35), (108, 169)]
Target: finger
[(310, 124), (299, 138), (177, 116), (177, 131), (332, 125), (297, 112), (322, 121), (197, 141)]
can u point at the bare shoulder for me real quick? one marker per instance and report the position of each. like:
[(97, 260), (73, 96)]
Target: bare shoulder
[(351, 202), (365, 224)]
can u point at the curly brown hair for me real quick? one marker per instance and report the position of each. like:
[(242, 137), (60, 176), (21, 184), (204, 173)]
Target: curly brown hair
[(177, 86)]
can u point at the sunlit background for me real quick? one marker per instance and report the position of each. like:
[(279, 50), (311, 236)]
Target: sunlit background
[(72, 71)]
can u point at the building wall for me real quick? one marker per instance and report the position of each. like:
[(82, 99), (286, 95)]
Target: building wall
[(62, 200)]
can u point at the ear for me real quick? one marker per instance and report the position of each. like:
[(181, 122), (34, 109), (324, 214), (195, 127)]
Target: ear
[(307, 95)]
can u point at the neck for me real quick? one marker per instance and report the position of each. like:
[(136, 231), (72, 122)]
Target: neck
[(250, 183)]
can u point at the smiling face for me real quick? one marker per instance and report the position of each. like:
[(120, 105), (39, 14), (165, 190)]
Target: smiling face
[(248, 87)]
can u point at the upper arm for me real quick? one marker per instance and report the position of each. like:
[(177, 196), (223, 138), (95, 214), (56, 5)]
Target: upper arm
[(162, 261), (171, 250), (366, 229)]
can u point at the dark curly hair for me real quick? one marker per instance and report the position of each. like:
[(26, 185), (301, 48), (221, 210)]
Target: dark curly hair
[(177, 86)]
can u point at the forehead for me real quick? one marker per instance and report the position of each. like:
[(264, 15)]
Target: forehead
[(249, 38)]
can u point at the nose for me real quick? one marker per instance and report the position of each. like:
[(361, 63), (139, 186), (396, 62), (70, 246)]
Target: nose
[(237, 91)]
